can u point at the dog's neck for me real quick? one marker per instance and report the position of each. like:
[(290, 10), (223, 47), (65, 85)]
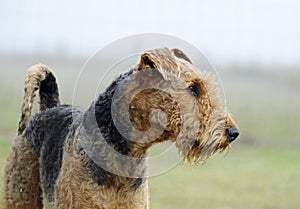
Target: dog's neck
[(116, 137), (108, 149), (131, 138), (130, 119)]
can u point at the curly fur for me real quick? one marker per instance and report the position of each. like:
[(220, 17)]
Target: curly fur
[(52, 163)]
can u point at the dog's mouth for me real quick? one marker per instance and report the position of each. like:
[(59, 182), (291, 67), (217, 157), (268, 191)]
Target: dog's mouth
[(201, 152), (198, 150)]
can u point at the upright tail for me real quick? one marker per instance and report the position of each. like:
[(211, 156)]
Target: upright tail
[(40, 78)]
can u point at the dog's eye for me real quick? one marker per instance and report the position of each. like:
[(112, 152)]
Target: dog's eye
[(194, 91)]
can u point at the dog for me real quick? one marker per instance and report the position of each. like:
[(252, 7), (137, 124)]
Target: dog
[(67, 157)]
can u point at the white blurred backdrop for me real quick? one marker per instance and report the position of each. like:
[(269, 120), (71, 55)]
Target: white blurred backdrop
[(265, 32)]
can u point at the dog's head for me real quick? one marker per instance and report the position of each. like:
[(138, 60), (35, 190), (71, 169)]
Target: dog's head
[(171, 100)]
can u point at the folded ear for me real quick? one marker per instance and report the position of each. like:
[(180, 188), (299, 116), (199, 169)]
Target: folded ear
[(180, 54), (147, 61), (160, 60)]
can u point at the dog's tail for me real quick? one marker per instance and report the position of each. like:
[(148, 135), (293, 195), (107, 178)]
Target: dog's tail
[(40, 78)]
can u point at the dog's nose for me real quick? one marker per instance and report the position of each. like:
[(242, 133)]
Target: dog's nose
[(232, 133)]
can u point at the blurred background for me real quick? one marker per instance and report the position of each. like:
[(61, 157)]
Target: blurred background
[(255, 47)]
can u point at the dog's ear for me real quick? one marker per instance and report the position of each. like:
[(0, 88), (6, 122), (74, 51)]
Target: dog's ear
[(160, 60), (147, 61), (180, 54), (154, 62)]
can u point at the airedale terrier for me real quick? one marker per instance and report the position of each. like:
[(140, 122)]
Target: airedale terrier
[(66, 157)]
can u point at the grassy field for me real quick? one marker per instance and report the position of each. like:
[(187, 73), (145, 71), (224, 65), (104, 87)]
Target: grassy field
[(247, 178), (262, 169)]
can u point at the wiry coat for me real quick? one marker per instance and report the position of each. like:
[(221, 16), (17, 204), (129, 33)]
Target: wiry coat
[(64, 157)]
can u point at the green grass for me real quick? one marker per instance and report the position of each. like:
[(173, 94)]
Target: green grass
[(245, 178), (261, 171)]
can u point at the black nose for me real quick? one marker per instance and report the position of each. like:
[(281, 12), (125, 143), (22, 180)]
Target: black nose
[(232, 133)]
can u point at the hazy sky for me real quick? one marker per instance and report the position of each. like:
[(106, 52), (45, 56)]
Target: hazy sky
[(246, 31)]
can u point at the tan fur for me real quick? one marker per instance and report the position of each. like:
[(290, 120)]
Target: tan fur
[(197, 125), (21, 184), (211, 111), (75, 189), (36, 74)]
